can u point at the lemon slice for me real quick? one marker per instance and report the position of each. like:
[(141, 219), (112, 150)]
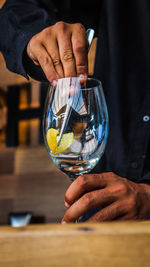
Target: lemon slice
[(66, 141), (51, 137)]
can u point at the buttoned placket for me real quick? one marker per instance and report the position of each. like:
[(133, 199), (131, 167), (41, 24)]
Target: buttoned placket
[(138, 153)]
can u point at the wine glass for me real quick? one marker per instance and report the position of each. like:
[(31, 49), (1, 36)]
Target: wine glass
[(75, 124)]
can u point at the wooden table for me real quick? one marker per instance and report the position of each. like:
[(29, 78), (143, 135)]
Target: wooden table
[(104, 244)]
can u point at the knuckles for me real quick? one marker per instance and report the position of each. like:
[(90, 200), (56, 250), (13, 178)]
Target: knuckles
[(119, 189), (123, 189), (61, 26), (67, 55), (79, 27), (118, 185), (44, 34), (79, 47), (82, 181), (87, 200), (34, 42), (43, 60), (56, 61), (131, 203)]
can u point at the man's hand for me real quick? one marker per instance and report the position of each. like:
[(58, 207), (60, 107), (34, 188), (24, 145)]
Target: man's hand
[(61, 50), (117, 197)]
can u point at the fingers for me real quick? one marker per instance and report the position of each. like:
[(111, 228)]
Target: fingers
[(115, 195), (53, 50), (40, 56), (83, 184), (94, 199), (63, 34), (60, 50), (80, 50), (109, 213)]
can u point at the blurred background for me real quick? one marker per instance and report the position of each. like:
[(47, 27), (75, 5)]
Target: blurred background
[(29, 181)]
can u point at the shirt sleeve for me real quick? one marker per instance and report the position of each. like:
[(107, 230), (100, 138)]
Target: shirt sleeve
[(19, 21), (145, 178)]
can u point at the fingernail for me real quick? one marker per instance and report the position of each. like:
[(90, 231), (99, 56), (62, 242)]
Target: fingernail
[(66, 205), (82, 77), (54, 83), (63, 222)]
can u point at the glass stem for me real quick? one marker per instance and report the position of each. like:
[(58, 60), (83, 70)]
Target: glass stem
[(72, 177)]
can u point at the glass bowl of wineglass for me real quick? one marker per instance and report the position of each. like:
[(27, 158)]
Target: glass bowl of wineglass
[(75, 125)]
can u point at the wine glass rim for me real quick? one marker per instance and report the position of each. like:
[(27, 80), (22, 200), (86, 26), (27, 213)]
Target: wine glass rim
[(98, 82), (78, 77)]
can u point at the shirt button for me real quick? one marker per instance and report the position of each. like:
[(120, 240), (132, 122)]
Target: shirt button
[(146, 118), (134, 165)]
